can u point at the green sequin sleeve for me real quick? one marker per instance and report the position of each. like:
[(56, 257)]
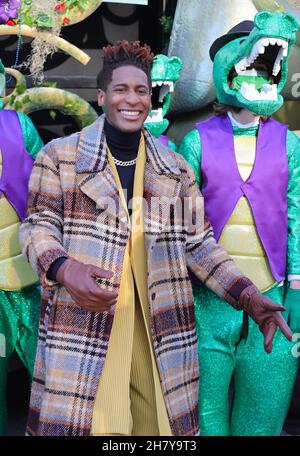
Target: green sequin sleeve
[(293, 201), (32, 140), (172, 146), (190, 149)]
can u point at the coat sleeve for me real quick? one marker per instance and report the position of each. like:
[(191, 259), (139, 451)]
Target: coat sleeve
[(208, 261), (293, 202), (41, 231)]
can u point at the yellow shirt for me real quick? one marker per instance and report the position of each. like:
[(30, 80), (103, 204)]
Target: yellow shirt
[(129, 399), (239, 236)]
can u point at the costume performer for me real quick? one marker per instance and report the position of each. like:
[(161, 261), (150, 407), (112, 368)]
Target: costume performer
[(248, 168), (19, 290), (165, 73)]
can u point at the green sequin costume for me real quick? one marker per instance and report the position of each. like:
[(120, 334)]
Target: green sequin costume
[(19, 310), (263, 383)]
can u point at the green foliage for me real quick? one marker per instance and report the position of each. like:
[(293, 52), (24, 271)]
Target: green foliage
[(11, 101), (26, 17), (166, 23), (26, 99), (71, 107), (79, 4), (52, 114), (43, 20), (20, 88), (52, 84), (18, 106)]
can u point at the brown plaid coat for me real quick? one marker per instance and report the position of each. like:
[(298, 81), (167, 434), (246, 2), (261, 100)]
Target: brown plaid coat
[(74, 210)]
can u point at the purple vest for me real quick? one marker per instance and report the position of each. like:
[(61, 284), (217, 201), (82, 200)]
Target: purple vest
[(265, 188), (16, 162)]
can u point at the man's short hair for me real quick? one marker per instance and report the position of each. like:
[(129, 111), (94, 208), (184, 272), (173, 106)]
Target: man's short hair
[(121, 54)]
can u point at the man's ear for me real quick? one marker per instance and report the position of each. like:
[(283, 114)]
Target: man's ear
[(101, 97)]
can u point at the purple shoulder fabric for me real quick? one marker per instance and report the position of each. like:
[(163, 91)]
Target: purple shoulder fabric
[(164, 140), (16, 162)]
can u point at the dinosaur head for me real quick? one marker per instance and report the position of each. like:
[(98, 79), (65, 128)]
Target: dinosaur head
[(250, 71), (164, 75)]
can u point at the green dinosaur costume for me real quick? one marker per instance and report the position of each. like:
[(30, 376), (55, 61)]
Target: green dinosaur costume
[(250, 70), (19, 290), (164, 75)]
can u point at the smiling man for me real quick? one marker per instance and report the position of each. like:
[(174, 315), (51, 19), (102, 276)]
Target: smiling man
[(117, 352)]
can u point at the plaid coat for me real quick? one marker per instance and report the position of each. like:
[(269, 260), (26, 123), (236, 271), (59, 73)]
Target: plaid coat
[(70, 213)]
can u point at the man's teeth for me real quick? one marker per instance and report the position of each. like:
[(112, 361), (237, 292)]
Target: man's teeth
[(259, 48), (156, 115), (130, 113), (170, 84), (268, 92)]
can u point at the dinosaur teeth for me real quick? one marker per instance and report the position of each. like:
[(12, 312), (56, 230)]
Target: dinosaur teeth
[(164, 83), (156, 115), (171, 85), (164, 92), (157, 83), (254, 53), (268, 92), (241, 65), (277, 64), (259, 48), (282, 43), (249, 92)]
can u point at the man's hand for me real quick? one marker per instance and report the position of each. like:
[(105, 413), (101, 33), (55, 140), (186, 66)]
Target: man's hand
[(265, 313), (292, 312), (80, 281)]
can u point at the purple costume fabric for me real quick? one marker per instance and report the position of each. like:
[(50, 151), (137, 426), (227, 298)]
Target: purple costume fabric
[(164, 140), (265, 188), (16, 162)]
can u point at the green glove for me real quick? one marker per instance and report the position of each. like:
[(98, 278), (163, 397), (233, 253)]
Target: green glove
[(292, 312)]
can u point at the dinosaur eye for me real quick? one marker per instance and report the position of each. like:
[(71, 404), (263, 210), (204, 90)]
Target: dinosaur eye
[(241, 41)]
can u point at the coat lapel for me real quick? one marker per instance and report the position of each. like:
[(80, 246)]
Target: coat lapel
[(95, 177), (161, 188)]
